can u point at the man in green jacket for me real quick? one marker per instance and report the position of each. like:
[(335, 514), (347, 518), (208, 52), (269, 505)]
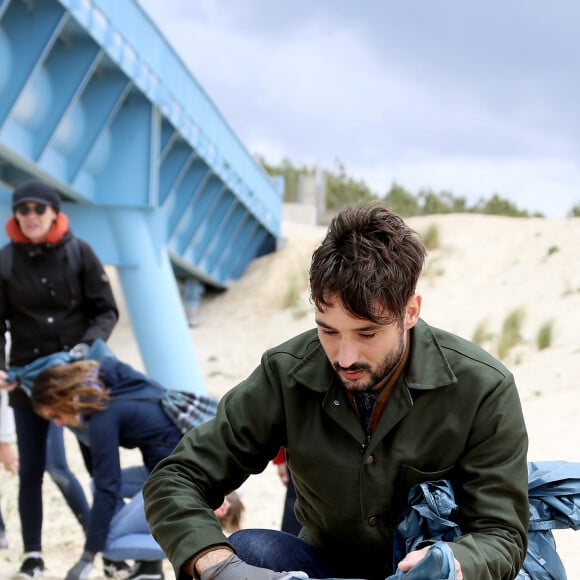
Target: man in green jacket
[(371, 402)]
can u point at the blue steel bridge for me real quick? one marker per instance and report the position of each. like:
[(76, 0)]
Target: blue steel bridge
[(94, 101)]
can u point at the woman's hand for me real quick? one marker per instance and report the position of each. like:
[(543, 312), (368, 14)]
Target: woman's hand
[(9, 457), (4, 385)]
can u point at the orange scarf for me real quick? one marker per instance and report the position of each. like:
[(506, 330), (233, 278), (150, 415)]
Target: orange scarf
[(56, 232)]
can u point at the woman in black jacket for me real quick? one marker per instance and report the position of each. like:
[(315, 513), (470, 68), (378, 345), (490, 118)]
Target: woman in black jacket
[(54, 296)]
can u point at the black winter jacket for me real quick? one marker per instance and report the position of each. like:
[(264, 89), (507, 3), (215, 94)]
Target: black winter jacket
[(48, 306)]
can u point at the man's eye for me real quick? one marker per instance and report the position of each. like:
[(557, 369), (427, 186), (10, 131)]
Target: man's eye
[(327, 331), (369, 335)]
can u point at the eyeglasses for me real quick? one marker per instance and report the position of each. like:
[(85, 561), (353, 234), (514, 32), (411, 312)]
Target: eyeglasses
[(25, 209)]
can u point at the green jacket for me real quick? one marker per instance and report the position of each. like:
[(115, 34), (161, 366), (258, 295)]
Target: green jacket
[(453, 414)]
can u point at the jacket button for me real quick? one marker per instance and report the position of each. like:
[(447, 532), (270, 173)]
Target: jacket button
[(43, 280), (50, 320), (370, 460), (373, 521), (336, 403)]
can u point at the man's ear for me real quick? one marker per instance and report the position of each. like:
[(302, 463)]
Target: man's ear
[(413, 311)]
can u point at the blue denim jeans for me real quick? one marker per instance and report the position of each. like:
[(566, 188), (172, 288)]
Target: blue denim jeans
[(129, 535), (280, 551), (40, 448)]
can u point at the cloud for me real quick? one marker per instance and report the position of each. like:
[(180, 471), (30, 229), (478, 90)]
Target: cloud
[(468, 98)]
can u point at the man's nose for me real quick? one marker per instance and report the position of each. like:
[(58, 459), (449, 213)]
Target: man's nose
[(347, 354)]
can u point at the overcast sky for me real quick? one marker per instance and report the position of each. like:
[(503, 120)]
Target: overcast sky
[(475, 98)]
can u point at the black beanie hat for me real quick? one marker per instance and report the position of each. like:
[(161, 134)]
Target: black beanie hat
[(36, 191)]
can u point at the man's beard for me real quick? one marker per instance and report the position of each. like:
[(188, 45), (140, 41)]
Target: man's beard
[(376, 375)]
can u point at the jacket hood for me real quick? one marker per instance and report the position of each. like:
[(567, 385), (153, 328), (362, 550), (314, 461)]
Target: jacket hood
[(57, 231)]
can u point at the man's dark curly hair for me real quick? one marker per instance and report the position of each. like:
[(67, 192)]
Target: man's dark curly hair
[(369, 258)]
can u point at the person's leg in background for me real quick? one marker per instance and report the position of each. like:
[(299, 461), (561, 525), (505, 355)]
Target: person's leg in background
[(280, 551), (63, 477), (3, 539), (132, 480), (31, 435), (130, 539), (289, 522)]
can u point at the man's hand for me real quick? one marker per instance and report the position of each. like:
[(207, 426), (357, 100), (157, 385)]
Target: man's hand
[(82, 569), (232, 568), (414, 557), (283, 472)]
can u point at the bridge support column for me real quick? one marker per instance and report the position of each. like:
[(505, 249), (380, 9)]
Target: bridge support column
[(192, 292), (153, 300)]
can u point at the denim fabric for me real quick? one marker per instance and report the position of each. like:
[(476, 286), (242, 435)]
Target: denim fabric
[(132, 480), (284, 552), (438, 564), (25, 375), (35, 455), (431, 505), (58, 469), (554, 497), (129, 536), (280, 551), (554, 493)]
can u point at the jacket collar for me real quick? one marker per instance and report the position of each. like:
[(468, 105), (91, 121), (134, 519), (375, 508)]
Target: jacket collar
[(427, 366), (313, 369)]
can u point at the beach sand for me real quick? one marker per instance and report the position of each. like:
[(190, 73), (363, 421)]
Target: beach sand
[(484, 268)]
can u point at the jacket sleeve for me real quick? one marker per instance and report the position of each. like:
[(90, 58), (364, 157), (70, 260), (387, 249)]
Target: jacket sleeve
[(280, 458), (7, 430), (97, 297), (493, 497), (210, 461), (3, 316)]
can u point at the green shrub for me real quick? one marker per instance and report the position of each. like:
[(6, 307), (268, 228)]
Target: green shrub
[(511, 332), (481, 333), (296, 284), (545, 335), (433, 269), (432, 237)]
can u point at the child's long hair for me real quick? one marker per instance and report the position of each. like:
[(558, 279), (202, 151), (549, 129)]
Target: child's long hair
[(232, 519), (74, 388)]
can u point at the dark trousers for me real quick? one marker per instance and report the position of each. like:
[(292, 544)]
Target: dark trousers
[(40, 448), (289, 522)]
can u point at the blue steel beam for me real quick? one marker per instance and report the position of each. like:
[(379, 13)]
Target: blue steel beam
[(94, 101), (75, 68)]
